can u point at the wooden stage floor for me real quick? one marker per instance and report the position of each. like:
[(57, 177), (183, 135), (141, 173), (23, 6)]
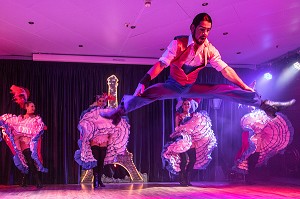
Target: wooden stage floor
[(224, 190)]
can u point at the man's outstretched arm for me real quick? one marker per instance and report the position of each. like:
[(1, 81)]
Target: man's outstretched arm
[(231, 75), (151, 74)]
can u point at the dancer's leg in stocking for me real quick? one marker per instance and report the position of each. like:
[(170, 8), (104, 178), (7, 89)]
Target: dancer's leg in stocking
[(101, 164), (96, 154), (32, 168), (189, 168), (182, 173), (252, 161)]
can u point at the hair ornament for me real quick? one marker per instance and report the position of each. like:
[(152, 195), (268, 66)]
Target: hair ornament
[(21, 95)]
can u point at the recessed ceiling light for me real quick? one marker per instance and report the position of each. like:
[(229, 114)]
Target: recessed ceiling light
[(31, 22), (127, 25), (162, 49), (147, 3), (225, 33), (80, 46), (238, 53), (204, 4)]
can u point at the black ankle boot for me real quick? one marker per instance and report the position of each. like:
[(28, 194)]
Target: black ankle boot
[(32, 168), (182, 179), (249, 179), (271, 106), (188, 179), (100, 180), (116, 119), (96, 181), (101, 183), (38, 181), (23, 181), (115, 115)]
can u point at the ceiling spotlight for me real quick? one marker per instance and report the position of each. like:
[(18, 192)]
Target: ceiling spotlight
[(31, 22), (268, 76), (297, 65), (204, 4), (147, 3)]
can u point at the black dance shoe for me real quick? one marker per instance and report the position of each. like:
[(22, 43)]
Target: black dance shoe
[(188, 179), (24, 181), (271, 107), (38, 182), (101, 183), (182, 179), (114, 115), (96, 181)]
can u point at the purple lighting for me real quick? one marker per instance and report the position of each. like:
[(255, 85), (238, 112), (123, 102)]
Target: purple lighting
[(297, 65)]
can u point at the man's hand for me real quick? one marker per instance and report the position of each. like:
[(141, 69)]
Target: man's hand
[(247, 88), (231, 75), (139, 90)]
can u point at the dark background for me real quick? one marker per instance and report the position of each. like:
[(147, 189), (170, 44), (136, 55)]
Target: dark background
[(61, 91)]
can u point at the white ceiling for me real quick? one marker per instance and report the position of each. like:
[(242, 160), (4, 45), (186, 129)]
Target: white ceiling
[(260, 29)]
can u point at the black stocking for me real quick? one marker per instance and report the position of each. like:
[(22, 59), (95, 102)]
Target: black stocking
[(99, 154), (32, 169)]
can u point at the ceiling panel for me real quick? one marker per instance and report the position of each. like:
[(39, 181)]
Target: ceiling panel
[(260, 29)]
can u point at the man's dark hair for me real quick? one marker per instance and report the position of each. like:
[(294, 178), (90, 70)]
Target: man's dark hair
[(201, 17)]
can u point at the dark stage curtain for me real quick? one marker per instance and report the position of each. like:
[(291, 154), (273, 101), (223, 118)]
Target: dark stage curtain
[(61, 91)]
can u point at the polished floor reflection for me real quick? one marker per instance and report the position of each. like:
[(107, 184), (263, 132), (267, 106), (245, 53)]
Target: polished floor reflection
[(274, 190)]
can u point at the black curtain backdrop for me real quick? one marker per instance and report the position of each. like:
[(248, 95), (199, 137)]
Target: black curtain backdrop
[(61, 91)]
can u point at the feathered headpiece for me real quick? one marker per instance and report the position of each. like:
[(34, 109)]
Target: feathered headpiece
[(105, 96), (194, 104), (21, 95)]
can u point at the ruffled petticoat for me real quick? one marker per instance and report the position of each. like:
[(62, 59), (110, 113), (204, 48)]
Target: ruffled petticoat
[(263, 134), (196, 131), (94, 127), (32, 128)]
